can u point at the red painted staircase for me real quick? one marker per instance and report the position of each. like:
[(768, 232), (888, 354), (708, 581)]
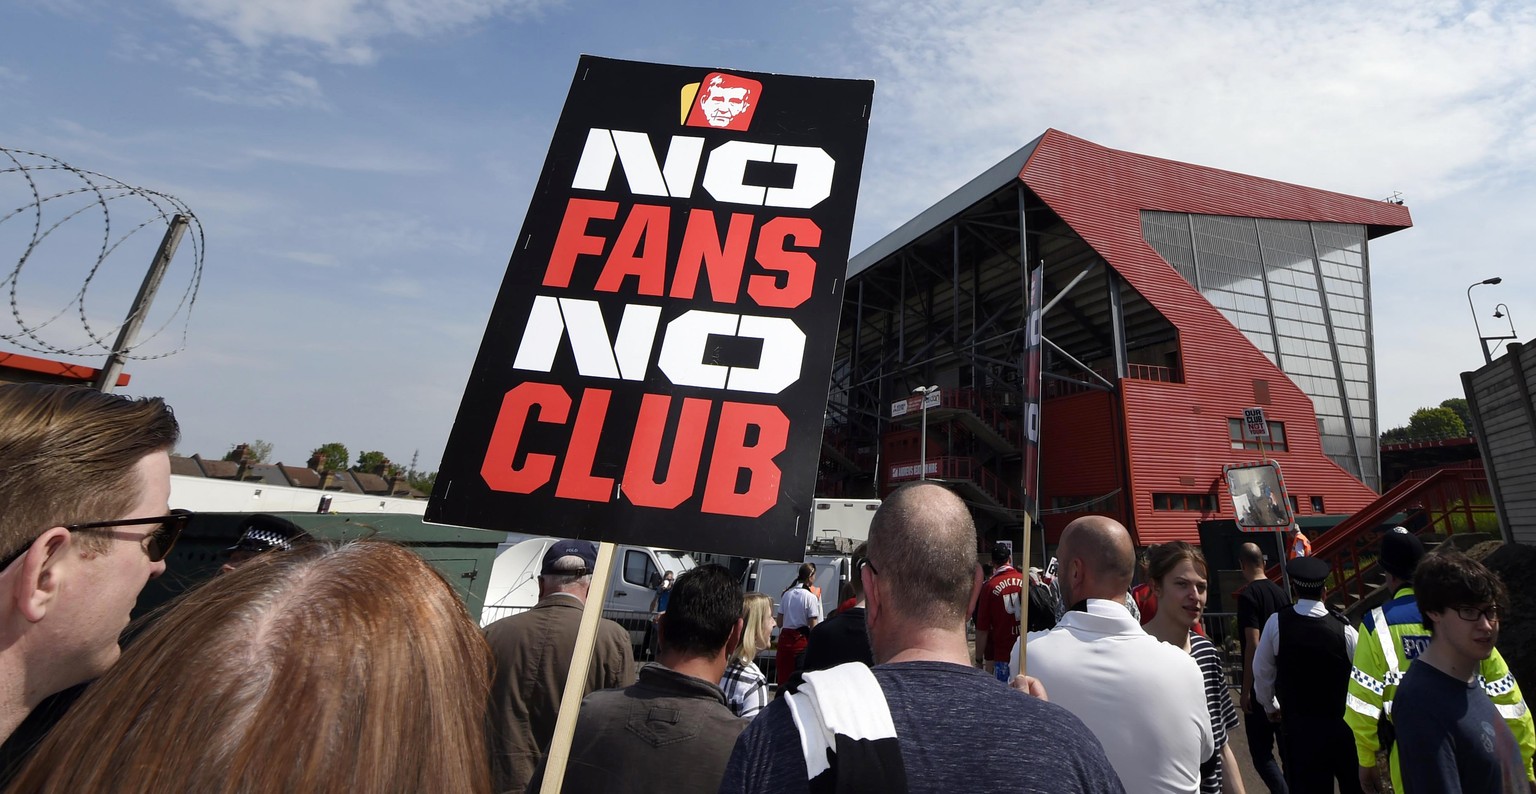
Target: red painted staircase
[(1435, 504)]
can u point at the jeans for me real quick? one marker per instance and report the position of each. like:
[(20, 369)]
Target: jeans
[(1262, 735)]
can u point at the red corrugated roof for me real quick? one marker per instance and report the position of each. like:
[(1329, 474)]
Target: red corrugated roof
[(1175, 433), (57, 369), (1153, 183)]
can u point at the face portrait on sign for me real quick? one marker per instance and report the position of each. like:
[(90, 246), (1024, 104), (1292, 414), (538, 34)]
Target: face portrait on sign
[(1258, 497), (725, 101)]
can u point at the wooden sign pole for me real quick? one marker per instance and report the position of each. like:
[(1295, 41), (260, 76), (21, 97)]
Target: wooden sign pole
[(1024, 598), (1285, 546), (576, 677)]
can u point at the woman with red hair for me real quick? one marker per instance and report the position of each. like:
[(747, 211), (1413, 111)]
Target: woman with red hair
[(322, 669)]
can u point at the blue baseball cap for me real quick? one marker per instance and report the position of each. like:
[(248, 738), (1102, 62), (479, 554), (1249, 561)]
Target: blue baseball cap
[(585, 549)]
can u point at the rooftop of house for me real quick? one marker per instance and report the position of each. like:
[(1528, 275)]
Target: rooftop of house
[(345, 481)]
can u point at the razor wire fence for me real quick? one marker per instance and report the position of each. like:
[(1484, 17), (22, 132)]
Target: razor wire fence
[(81, 241)]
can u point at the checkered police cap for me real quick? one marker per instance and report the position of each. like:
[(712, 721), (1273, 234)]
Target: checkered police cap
[(268, 533)]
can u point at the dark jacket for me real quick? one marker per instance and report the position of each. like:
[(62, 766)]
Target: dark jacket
[(838, 639), (669, 732), (533, 652)]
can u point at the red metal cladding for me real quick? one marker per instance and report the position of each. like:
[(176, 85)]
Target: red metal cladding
[(1176, 433), (1081, 447)]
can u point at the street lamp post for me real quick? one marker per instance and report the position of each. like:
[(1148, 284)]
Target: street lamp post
[(1481, 342), (922, 460), (1499, 311)]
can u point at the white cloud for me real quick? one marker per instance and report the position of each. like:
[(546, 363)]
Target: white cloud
[(398, 287), (287, 89), (343, 31), (1428, 97), (368, 233), (315, 258), (1358, 98), (329, 192), (363, 156), (248, 51)]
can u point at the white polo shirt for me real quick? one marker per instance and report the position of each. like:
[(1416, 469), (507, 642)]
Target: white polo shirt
[(1143, 698), (798, 606)]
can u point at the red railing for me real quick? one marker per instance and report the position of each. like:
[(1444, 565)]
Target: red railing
[(843, 441), (970, 400), (1438, 502), (1061, 388), (964, 469), (1150, 372)]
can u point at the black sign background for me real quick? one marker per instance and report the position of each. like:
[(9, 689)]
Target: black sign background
[(828, 114), (1033, 352)]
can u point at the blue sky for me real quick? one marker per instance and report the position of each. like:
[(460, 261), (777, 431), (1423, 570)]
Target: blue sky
[(360, 167)]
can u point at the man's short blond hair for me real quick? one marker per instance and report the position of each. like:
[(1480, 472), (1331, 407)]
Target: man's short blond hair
[(67, 456)]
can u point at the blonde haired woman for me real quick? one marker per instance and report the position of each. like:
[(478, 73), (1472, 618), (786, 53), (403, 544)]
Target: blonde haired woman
[(745, 686)]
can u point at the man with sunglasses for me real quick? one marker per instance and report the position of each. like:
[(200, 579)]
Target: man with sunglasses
[(84, 525), (1452, 738)]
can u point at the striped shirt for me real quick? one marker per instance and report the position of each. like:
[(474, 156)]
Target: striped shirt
[(1218, 699), (745, 688)]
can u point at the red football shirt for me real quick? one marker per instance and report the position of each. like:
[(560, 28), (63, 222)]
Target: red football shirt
[(998, 612)]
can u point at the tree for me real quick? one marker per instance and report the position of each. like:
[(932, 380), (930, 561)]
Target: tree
[(1451, 419), (1428, 423), (336, 456), (1438, 422), (257, 451), (370, 461), (1459, 405), (423, 482)]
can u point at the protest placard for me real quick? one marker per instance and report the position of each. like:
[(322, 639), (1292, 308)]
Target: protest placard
[(656, 365)]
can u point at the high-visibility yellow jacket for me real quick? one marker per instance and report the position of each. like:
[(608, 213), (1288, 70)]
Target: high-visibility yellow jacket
[(1392, 636)]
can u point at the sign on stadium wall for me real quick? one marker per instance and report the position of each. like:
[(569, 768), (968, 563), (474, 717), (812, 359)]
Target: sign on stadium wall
[(656, 365), (916, 403)]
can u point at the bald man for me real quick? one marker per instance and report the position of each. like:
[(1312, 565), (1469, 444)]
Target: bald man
[(1144, 699), (1258, 599), (923, 719)]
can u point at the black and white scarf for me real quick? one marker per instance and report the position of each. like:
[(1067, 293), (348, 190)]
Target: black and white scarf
[(846, 733)]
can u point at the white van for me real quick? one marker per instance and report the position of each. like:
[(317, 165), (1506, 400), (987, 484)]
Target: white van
[(514, 586), (842, 519)]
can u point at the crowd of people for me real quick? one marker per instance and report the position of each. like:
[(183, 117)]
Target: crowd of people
[(311, 666)]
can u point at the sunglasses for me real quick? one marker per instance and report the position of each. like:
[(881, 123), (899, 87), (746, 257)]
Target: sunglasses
[(161, 538)]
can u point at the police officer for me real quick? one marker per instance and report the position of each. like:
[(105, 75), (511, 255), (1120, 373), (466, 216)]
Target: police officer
[(1300, 672), (1393, 634), (261, 533)]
